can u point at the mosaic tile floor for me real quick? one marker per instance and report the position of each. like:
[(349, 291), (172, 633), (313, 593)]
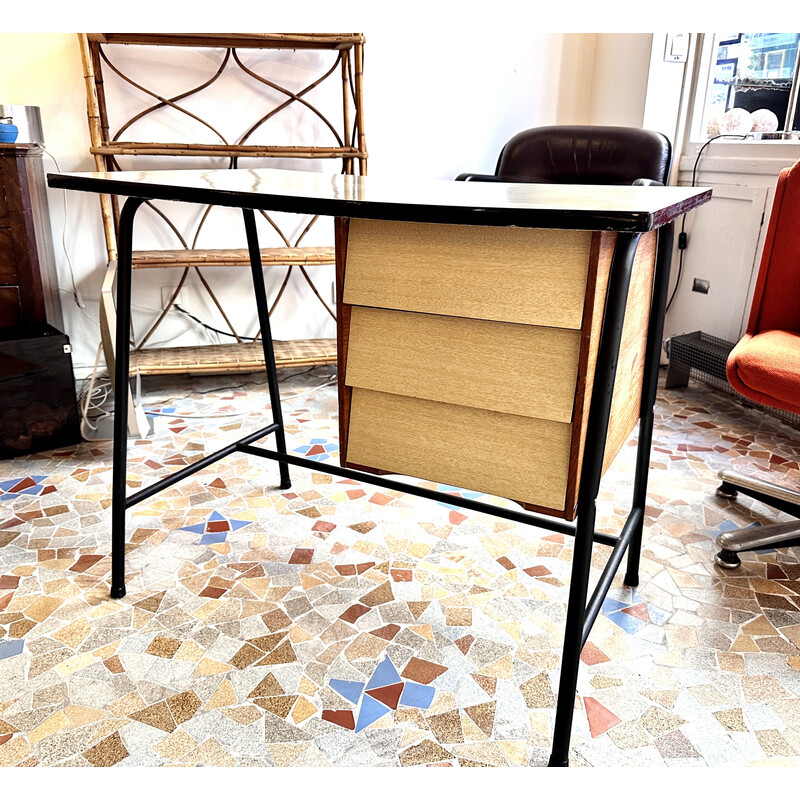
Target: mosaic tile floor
[(336, 624)]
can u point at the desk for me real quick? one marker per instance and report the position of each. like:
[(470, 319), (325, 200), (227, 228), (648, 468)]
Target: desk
[(541, 272)]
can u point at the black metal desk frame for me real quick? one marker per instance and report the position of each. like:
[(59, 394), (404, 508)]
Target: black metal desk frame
[(580, 614)]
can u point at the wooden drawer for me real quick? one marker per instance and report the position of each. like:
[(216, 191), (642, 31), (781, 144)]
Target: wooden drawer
[(522, 275), (3, 202), (8, 267), (485, 404), (526, 370), (10, 307), (501, 454)]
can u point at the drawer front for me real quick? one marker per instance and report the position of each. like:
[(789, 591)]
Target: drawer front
[(8, 267), (523, 275), (3, 203), (521, 458), (10, 307), (526, 370)]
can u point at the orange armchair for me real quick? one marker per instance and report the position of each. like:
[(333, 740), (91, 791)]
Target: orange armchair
[(765, 366)]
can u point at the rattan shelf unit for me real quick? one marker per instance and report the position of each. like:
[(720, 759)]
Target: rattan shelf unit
[(347, 144)]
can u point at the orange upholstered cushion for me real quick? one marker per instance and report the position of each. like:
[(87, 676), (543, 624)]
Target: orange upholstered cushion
[(766, 368)]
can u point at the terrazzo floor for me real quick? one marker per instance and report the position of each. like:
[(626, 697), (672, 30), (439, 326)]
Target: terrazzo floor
[(338, 624)]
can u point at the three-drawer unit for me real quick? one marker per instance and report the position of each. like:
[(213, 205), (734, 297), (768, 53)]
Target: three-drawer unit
[(467, 354)]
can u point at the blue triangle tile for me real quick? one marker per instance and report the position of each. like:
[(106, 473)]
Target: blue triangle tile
[(627, 622), (318, 441), (371, 710), (215, 517), (610, 605), (13, 647), (238, 523), (417, 695), (350, 690), (214, 538), (199, 528), (385, 675)]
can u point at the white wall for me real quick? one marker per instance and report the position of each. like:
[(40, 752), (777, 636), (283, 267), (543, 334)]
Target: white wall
[(619, 79), (430, 111)]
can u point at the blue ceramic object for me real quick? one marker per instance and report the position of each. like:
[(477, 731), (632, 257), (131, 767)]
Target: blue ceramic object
[(8, 131)]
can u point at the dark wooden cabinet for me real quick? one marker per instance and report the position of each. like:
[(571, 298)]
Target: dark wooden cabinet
[(28, 280)]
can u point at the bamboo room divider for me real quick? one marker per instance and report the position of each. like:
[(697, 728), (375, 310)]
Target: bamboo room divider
[(348, 144)]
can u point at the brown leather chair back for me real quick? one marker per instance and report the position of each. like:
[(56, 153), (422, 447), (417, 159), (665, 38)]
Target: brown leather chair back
[(594, 154)]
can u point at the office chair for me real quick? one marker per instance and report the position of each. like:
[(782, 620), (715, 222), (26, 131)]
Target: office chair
[(765, 367), (588, 154)]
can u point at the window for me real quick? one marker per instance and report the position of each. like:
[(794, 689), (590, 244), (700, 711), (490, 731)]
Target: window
[(753, 71)]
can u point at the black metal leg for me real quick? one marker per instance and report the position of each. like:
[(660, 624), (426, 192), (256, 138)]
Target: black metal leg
[(591, 473), (121, 377), (652, 361), (266, 339)]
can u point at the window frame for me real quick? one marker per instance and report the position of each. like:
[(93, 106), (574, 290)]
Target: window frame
[(707, 46)]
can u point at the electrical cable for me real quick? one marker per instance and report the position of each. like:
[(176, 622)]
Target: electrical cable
[(211, 327), (88, 401), (682, 238)]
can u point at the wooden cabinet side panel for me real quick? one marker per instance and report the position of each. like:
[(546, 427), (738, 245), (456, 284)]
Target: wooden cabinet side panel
[(341, 229), (630, 369), (40, 217)]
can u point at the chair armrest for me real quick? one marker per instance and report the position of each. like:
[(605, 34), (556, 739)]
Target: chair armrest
[(473, 176), (646, 182)]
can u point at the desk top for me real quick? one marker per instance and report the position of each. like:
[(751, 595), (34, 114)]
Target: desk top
[(528, 205)]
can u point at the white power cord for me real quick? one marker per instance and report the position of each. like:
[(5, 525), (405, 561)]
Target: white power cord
[(92, 399)]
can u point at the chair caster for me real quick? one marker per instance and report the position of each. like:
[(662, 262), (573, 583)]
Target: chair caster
[(727, 559), (726, 491)]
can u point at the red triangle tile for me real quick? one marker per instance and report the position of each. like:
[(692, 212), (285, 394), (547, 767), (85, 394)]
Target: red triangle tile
[(592, 654), (388, 695), (600, 718), (25, 483), (775, 572), (342, 718), (639, 611)]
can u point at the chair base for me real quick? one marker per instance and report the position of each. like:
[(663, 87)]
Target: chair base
[(733, 542)]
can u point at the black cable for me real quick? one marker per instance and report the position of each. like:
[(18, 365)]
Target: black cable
[(682, 234), (210, 327)]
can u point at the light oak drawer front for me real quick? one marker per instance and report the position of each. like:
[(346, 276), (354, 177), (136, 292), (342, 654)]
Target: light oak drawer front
[(521, 458), (515, 369), (526, 275), (8, 267)]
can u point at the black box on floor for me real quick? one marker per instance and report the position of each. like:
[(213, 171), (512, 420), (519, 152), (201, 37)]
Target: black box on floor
[(38, 407)]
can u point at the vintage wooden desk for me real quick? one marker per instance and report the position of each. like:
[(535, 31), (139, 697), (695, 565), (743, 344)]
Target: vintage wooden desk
[(477, 322)]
